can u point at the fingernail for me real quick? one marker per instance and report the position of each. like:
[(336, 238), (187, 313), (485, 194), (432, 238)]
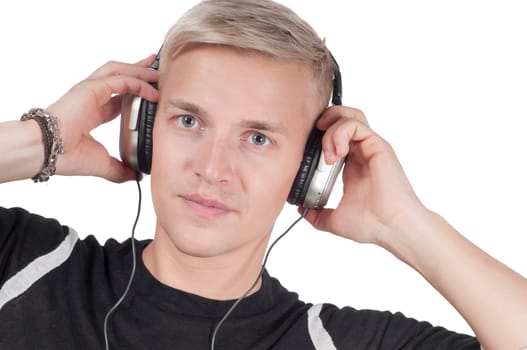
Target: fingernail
[(339, 149), (327, 157)]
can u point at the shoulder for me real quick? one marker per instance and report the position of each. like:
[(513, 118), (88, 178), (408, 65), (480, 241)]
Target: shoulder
[(384, 328), (19, 219), (24, 235)]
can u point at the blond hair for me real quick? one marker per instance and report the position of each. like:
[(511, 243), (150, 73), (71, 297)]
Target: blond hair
[(261, 26)]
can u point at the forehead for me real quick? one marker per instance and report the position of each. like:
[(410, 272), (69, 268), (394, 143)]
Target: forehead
[(234, 77)]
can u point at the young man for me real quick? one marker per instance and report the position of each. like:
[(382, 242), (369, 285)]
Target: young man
[(241, 85)]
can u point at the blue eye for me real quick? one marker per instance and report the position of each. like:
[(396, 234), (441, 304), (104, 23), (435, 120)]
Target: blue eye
[(259, 139), (187, 122)]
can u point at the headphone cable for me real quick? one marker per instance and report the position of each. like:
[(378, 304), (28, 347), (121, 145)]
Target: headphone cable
[(231, 309), (134, 264)]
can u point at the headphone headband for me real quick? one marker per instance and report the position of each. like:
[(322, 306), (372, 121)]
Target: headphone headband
[(336, 98)]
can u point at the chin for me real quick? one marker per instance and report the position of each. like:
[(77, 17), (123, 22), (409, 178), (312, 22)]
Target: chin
[(197, 239)]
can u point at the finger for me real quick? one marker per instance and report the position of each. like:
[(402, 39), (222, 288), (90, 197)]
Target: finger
[(119, 68), (333, 113), (337, 139), (146, 62), (138, 87), (125, 85), (111, 109)]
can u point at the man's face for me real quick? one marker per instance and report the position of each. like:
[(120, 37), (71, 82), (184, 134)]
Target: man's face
[(228, 138)]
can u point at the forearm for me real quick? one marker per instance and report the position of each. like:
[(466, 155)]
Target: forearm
[(491, 297), (21, 149)]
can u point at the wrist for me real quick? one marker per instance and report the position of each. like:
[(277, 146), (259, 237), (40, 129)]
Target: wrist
[(51, 141), (407, 234), (31, 151)]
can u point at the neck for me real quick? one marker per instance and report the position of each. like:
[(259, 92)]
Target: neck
[(222, 277)]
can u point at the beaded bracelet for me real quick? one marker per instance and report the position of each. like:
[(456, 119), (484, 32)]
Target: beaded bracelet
[(52, 141)]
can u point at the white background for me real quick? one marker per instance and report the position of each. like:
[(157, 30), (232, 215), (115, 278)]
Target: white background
[(444, 82)]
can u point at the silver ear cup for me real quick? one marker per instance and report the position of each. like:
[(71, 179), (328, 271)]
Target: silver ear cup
[(322, 183), (129, 130)]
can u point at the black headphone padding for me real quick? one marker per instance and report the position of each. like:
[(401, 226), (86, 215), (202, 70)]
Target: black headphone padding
[(147, 112), (307, 168)]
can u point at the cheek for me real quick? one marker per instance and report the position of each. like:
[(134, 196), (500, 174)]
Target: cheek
[(167, 150), (165, 157), (272, 185)]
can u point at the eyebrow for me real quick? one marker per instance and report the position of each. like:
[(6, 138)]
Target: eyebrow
[(263, 125), (187, 106)]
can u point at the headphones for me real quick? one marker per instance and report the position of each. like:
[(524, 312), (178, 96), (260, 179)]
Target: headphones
[(313, 182)]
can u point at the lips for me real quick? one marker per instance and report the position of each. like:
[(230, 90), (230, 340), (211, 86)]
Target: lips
[(205, 207)]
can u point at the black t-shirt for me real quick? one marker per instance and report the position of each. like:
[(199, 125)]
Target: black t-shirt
[(56, 289)]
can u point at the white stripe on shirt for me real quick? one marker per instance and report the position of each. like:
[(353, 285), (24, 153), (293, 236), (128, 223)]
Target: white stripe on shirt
[(38, 268), (319, 335)]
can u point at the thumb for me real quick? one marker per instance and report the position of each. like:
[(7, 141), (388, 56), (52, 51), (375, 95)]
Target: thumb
[(117, 171), (319, 218)]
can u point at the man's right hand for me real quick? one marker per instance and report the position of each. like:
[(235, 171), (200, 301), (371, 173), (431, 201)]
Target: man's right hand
[(92, 102)]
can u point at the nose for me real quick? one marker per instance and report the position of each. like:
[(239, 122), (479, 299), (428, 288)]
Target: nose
[(213, 160)]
